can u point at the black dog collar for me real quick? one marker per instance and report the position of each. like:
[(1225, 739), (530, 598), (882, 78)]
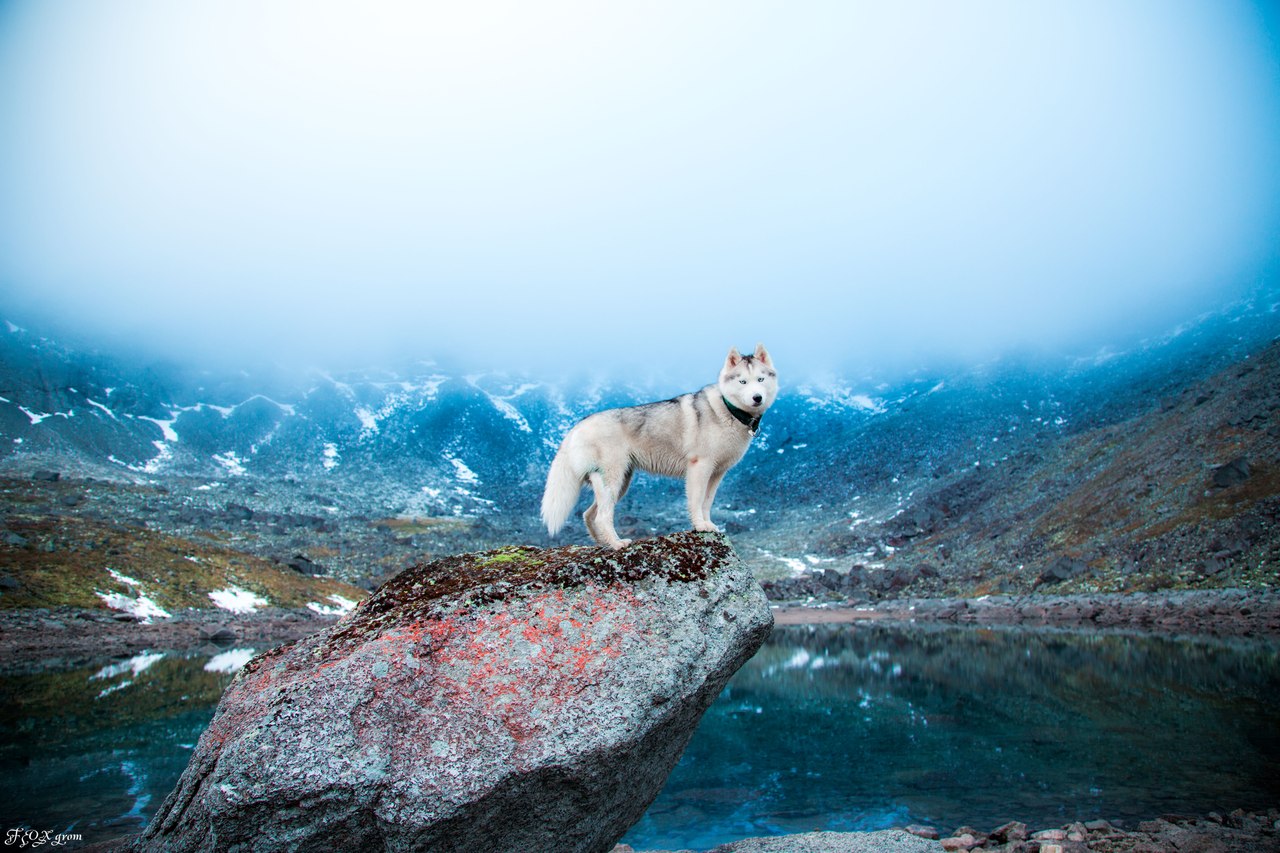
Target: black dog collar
[(750, 422)]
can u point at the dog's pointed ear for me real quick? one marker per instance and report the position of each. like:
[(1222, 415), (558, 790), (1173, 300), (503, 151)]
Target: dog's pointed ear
[(762, 355), (733, 358)]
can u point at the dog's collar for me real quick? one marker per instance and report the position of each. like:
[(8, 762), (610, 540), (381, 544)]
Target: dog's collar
[(750, 422)]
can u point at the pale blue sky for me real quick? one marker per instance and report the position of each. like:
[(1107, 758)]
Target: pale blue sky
[(561, 183)]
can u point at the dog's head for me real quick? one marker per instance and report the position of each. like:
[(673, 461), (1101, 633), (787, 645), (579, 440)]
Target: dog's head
[(749, 382)]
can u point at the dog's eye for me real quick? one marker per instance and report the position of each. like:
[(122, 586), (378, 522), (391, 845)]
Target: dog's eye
[(743, 381), (759, 378)]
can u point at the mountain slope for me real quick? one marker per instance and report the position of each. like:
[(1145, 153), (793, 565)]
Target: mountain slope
[(1016, 474)]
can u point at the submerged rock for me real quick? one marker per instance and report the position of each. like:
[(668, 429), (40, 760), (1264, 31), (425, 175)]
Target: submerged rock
[(514, 700)]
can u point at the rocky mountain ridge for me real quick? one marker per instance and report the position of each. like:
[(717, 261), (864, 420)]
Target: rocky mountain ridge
[(1148, 468)]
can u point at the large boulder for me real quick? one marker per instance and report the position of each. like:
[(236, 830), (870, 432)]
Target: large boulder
[(514, 700)]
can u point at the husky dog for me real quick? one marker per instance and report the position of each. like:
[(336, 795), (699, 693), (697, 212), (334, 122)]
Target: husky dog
[(697, 436)]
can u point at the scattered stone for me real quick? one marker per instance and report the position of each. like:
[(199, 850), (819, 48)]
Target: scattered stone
[(1011, 831), (44, 476), (303, 565), (1062, 569), (15, 539), (9, 582), (238, 512), (220, 635), (923, 831), (1233, 473)]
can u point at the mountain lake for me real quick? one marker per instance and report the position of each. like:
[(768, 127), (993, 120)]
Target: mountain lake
[(828, 727)]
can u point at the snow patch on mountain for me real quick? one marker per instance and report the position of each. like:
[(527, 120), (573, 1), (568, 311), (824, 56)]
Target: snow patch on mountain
[(843, 397), (166, 426), (139, 605), (237, 600), (340, 606), (101, 407), (403, 395), (233, 464), (461, 471)]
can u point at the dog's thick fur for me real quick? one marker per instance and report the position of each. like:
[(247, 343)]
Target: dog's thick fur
[(696, 436)]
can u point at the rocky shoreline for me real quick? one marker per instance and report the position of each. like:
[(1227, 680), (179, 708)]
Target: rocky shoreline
[(1237, 832), (39, 638), (1217, 612), (31, 638)]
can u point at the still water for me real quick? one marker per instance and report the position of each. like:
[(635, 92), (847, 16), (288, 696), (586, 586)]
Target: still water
[(828, 727), (869, 727)]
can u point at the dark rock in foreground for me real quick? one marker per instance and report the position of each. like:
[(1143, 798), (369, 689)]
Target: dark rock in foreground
[(515, 700)]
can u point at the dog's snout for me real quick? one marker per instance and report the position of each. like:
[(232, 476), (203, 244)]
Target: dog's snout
[(757, 398)]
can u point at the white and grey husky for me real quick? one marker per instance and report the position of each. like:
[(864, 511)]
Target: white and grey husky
[(697, 436)]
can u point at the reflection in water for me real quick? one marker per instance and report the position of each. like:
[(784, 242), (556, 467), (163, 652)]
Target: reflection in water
[(831, 727), (867, 727), (94, 750)]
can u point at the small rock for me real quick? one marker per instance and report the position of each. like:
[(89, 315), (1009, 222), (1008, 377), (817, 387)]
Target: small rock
[(15, 539), (72, 500), (923, 831), (1232, 474), (303, 565), (220, 635), (1050, 835), (960, 842), (1064, 568), (9, 582), (1012, 831), (46, 476)]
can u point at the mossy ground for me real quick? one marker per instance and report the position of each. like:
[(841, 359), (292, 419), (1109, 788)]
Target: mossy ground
[(479, 579), (416, 525), (58, 561)]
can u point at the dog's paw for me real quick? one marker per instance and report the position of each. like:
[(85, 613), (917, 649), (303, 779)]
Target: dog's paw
[(620, 544), (706, 527)]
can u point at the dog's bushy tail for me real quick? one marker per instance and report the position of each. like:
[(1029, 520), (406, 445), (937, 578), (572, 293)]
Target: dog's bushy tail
[(561, 494)]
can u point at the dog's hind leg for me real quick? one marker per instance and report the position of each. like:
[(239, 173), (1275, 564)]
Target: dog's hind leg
[(599, 516), (589, 519)]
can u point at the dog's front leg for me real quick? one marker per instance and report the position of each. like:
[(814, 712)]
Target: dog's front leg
[(712, 485), (697, 478)]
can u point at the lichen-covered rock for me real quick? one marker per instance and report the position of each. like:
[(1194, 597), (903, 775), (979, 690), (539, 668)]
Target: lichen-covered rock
[(514, 700)]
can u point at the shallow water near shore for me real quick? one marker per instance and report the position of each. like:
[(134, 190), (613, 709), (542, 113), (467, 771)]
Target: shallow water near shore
[(848, 727)]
